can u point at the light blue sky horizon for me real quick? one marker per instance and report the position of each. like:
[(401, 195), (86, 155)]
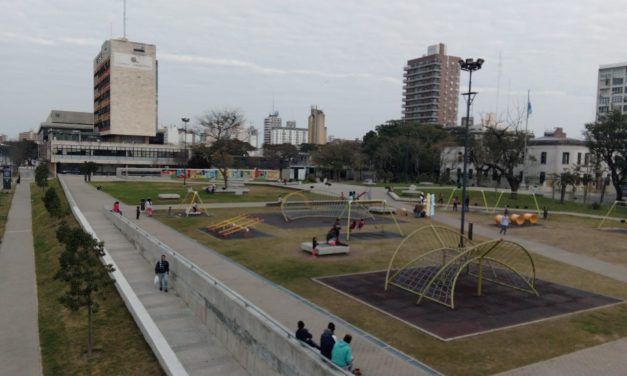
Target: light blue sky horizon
[(345, 57)]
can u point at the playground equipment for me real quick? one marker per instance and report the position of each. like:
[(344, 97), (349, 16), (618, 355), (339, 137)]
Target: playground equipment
[(432, 266), (498, 200), (296, 206), (230, 226), (191, 202), (614, 208), (519, 219)]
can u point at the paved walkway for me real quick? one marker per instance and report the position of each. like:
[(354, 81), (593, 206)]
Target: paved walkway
[(371, 355), (607, 359), (19, 327), (198, 350)]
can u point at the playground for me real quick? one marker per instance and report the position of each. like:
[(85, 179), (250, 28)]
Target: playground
[(504, 335), (503, 328)]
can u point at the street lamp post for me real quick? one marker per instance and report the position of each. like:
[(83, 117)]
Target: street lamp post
[(185, 121), (469, 66)]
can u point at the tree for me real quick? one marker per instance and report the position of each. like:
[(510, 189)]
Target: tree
[(21, 151), (201, 157), (562, 181), (338, 156), (52, 202), (405, 150), (607, 139), (220, 127), (280, 153), (83, 273), (41, 175), (88, 169), (502, 152), (223, 155)]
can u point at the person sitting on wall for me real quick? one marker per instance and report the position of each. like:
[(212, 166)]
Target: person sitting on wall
[(195, 207), (302, 334), (333, 237), (116, 207)]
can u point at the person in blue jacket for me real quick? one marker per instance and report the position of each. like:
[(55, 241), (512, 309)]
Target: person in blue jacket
[(342, 355)]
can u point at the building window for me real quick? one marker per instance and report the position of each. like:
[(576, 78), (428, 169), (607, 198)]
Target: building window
[(603, 109), (543, 157), (586, 159), (542, 177), (617, 98), (617, 81), (604, 100), (565, 158), (617, 90), (578, 158)]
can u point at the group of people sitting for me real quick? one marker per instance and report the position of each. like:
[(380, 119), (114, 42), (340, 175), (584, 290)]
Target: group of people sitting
[(210, 189), (339, 352), (333, 236)]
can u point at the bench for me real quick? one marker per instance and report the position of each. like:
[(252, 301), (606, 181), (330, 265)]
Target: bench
[(325, 249), (382, 210), (169, 196)]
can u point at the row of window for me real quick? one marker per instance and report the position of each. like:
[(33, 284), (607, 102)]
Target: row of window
[(566, 158), (115, 152), (606, 109)]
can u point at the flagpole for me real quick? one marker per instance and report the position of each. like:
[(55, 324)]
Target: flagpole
[(525, 147)]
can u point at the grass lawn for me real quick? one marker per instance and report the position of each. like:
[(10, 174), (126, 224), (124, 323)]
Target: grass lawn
[(278, 259), (132, 192), (5, 206), (121, 348)]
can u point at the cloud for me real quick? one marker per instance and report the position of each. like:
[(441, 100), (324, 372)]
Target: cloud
[(42, 41), (203, 60)]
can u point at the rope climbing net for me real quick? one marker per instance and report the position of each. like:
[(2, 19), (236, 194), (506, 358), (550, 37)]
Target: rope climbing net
[(429, 263)]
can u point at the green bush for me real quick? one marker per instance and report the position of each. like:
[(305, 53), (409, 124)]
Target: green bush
[(53, 203)]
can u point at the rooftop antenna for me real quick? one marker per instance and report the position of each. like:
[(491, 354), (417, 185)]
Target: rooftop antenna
[(498, 85), (273, 104), (124, 20)]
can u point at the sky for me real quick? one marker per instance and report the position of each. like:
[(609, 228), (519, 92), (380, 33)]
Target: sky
[(344, 56)]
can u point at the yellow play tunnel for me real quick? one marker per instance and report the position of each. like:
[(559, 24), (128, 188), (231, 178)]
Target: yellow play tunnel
[(519, 219)]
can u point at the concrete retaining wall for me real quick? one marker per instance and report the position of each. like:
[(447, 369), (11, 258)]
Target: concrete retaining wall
[(262, 345)]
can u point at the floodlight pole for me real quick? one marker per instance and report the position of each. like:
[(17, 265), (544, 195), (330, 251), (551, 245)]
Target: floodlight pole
[(469, 66), (185, 121)]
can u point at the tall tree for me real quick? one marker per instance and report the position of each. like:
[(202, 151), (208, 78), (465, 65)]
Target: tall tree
[(83, 273), (22, 151), (502, 152), (562, 181), (88, 169), (201, 157), (220, 127), (225, 153), (607, 139)]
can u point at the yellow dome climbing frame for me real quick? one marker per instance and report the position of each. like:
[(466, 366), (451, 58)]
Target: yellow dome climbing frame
[(429, 263)]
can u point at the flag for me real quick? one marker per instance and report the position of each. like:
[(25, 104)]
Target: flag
[(529, 109)]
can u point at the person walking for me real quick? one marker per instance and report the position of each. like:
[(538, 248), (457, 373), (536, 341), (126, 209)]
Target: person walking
[(327, 341), (504, 224), (137, 211), (162, 269), (467, 204), (342, 355), (455, 203)]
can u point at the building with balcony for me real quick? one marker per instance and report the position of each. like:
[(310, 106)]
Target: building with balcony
[(125, 91), (289, 135), (431, 88), (612, 89)]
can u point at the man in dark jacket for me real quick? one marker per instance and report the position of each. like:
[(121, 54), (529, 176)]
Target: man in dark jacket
[(162, 269), (327, 340), (303, 334)]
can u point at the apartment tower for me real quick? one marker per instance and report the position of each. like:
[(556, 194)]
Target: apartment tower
[(431, 87), (125, 91), (271, 121), (612, 89), (317, 130)]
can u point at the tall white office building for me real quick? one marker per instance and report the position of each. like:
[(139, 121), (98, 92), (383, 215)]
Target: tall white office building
[(271, 121)]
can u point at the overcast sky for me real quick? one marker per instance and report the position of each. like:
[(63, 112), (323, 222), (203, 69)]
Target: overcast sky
[(345, 56)]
